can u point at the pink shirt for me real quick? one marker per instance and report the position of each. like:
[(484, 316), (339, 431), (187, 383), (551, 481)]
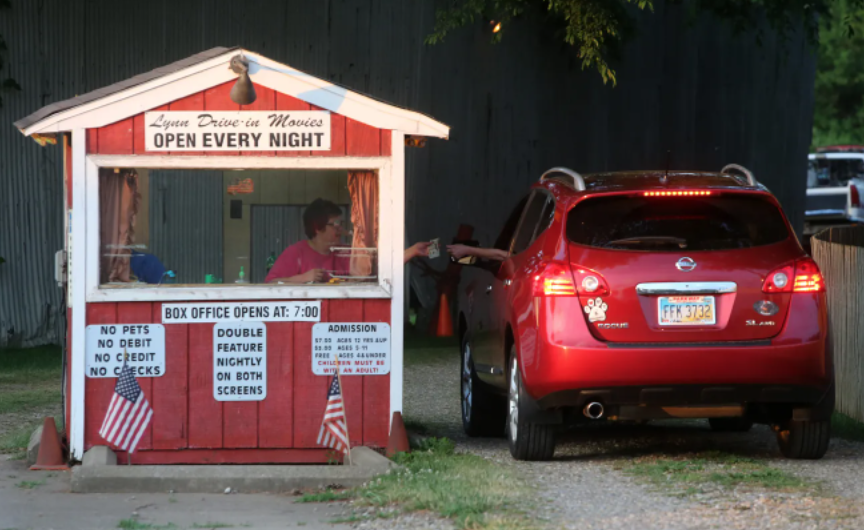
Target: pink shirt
[(300, 257)]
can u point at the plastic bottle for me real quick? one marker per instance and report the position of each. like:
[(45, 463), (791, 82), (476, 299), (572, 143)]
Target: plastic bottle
[(241, 278), (271, 261)]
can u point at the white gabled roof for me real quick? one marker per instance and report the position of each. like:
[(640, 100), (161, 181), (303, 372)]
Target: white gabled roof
[(208, 69)]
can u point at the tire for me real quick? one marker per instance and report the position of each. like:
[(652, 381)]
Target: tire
[(741, 424), (528, 441), (804, 439), (483, 413)]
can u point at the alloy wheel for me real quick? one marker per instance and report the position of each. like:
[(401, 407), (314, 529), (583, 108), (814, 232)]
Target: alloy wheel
[(467, 384), (513, 399)]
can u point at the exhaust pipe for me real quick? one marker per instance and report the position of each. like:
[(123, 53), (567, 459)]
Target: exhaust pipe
[(593, 410)]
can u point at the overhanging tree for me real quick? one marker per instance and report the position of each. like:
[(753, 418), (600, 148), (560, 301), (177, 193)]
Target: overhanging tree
[(594, 26)]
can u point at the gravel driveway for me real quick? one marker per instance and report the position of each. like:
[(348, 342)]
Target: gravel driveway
[(587, 485)]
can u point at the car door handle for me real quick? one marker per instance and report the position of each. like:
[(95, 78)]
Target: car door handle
[(488, 289)]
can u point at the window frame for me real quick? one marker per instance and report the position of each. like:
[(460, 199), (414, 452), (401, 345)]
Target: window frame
[(383, 166), (534, 234)]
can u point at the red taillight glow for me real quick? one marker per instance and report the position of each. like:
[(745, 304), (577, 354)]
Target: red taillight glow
[(801, 277), (555, 280), (854, 197), (682, 193)]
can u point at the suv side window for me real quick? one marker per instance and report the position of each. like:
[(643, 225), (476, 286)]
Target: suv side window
[(530, 221), (506, 235)]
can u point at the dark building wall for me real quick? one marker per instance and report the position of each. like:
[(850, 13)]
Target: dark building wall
[(515, 108)]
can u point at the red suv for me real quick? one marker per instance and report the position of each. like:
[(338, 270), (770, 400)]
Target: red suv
[(646, 295)]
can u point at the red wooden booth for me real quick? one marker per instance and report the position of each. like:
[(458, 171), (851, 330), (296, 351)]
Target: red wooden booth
[(179, 199)]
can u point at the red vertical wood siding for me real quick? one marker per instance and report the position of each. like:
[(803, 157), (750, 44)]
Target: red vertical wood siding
[(97, 390), (276, 412), (337, 135), (117, 138), (386, 142), (376, 388), (352, 385), (362, 140), (310, 390), (205, 413), (170, 397)]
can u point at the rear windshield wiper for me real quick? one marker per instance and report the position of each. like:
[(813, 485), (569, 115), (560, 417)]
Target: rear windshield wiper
[(651, 240)]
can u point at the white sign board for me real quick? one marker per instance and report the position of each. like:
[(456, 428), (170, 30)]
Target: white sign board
[(295, 130), (241, 311), (144, 345), (239, 361), (363, 348)]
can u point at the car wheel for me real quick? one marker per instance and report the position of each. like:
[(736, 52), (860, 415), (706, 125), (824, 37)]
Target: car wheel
[(528, 441), (730, 424), (482, 411), (804, 439)]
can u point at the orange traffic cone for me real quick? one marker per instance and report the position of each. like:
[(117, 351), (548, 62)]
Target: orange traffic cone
[(398, 442), (50, 455), (445, 323)]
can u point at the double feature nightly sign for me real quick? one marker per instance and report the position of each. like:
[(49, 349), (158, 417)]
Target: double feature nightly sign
[(237, 131)]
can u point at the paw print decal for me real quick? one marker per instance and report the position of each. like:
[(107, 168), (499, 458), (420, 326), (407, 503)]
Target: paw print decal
[(596, 310)]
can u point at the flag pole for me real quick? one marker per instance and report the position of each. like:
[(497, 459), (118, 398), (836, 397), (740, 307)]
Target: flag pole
[(342, 391), (125, 358)]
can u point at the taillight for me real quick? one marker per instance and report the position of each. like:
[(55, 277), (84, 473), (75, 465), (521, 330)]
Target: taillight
[(554, 280), (854, 198), (803, 276), (808, 278), (590, 282)]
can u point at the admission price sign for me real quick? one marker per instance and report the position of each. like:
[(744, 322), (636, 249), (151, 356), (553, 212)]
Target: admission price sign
[(144, 345), (363, 348), (239, 361)]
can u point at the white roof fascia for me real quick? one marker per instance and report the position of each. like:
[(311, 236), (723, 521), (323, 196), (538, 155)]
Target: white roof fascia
[(213, 72)]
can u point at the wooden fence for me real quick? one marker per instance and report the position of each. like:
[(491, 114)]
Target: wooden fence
[(840, 254)]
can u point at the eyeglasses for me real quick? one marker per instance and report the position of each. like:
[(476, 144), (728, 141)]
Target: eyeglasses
[(335, 224)]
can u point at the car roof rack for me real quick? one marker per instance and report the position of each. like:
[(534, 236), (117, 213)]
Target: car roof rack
[(578, 182), (741, 169)]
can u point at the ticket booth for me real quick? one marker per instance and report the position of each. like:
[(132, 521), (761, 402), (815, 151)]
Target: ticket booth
[(199, 198)]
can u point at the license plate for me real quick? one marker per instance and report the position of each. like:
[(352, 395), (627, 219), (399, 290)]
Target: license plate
[(686, 311)]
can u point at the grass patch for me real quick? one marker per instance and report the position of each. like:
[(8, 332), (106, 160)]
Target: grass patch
[(16, 441), (212, 525), (842, 426), (30, 484), (27, 400), (135, 524), (468, 489), (32, 365), (325, 496), (686, 475)]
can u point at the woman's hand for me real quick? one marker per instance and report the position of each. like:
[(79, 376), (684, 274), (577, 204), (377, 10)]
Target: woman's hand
[(416, 250), (460, 251), (312, 276)]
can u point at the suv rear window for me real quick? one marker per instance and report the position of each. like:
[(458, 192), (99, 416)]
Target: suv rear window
[(672, 224), (833, 172)]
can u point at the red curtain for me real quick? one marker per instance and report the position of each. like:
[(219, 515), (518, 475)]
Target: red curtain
[(363, 187), (119, 201)]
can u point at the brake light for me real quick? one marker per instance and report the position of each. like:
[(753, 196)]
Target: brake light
[(854, 197), (803, 276), (554, 280), (682, 193), (808, 277)]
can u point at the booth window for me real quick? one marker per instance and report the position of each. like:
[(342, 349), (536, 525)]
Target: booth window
[(198, 227)]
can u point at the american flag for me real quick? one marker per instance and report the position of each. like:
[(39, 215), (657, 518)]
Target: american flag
[(128, 414), (334, 430)]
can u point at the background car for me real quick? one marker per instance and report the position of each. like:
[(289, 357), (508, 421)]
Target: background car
[(646, 295), (835, 183)]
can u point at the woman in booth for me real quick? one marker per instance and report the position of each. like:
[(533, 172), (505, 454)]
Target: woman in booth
[(309, 260)]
